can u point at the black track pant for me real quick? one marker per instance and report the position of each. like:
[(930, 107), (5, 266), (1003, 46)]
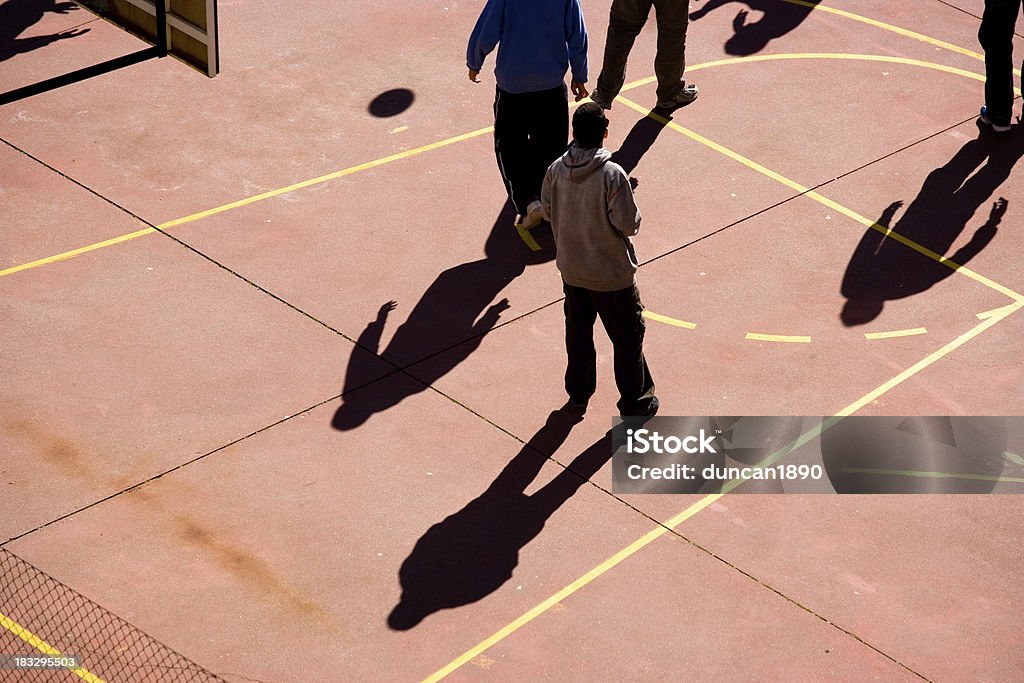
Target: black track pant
[(530, 131), (620, 313), (996, 37)]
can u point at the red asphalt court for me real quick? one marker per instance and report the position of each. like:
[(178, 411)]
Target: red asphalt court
[(217, 427)]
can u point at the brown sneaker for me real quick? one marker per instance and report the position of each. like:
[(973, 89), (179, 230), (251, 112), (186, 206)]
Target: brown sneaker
[(687, 95)]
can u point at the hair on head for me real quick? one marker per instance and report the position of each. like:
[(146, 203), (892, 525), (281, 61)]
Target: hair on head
[(589, 125)]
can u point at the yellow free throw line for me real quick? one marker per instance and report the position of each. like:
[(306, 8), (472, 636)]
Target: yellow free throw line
[(895, 333), (44, 647), (669, 321)]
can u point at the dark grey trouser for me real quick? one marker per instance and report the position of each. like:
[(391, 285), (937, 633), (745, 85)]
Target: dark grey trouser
[(620, 313), (627, 19), (996, 37)]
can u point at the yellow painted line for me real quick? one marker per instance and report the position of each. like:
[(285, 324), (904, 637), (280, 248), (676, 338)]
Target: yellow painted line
[(38, 643), (76, 252), (482, 131), (821, 199), (327, 177), (525, 235), (1014, 458), (785, 338), (895, 29), (852, 57), (931, 358), (895, 333), (924, 251), (994, 311), (249, 200), (579, 583), (657, 532), (669, 321), (932, 475)]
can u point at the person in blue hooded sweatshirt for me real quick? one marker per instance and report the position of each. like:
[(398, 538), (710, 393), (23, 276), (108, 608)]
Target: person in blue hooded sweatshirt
[(538, 41)]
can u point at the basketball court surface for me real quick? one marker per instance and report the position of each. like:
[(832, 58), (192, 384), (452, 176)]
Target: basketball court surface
[(282, 384)]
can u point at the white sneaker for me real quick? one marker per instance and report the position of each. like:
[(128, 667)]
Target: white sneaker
[(534, 215)]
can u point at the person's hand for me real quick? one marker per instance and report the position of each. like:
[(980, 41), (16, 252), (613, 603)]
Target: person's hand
[(473, 73), (579, 90)]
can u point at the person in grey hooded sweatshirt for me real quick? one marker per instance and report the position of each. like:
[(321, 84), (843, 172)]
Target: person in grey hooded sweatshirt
[(589, 202)]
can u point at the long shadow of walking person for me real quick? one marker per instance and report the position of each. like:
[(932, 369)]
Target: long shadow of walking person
[(458, 308), (454, 313), (471, 553), (779, 18), (882, 269)]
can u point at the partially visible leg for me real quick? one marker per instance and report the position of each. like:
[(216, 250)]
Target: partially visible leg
[(624, 24), (581, 368), (996, 37), (511, 147), (621, 314), (673, 19), (549, 134)]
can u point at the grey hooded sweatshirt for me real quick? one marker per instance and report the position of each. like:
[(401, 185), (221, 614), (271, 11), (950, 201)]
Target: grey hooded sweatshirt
[(588, 200)]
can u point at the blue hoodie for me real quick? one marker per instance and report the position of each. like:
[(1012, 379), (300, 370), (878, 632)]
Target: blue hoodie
[(538, 39)]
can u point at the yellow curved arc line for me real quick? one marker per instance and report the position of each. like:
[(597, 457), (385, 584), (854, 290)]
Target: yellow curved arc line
[(482, 131), (38, 643), (821, 199), (895, 29), (651, 315)]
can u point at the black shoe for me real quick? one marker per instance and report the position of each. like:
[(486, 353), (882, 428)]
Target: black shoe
[(999, 126), (652, 409)]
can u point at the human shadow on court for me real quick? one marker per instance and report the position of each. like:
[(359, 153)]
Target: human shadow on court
[(16, 16), (447, 324), (750, 37), (473, 552), (641, 137), (883, 269), (455, 312)]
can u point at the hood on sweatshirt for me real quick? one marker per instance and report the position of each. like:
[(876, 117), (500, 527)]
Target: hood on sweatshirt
[(584, 162)]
